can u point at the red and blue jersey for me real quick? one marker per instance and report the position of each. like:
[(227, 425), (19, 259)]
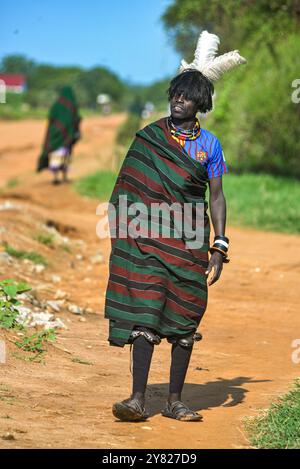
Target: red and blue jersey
[(206, 149)]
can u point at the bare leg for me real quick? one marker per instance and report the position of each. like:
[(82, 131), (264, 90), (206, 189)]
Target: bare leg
[(179, 366), (56, 178), (65, 175), (142, 355), (133, 409), (175, 408), (65, 167)]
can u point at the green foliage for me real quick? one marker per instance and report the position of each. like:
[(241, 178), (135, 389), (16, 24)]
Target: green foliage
[(125, 136), (9, 289), (18, 64), (46, 239), (254, 116), (65, 248), (96, 81), (261, 201), (127, 131), (261, 132), (33, 256), (35, 343), (16, 108), (8, 317), (137, 105), (98, 185), (44, 80), (155, 93), (14, 182), (279, 427), (238, 22)]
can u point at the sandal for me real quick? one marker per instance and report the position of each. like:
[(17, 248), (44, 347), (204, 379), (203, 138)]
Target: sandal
[(129, 410), (179, 411)]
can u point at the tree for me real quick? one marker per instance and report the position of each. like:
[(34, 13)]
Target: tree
[(100, 80), (17, 64), (236, 21), (253, 114)]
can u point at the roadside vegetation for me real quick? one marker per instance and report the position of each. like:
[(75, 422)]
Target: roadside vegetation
[(33, 344), (279, 426), (261, 201)]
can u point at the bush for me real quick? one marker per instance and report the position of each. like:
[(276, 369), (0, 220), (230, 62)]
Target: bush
[(127, 131), (9, 290), (279, 427), (254, 116)]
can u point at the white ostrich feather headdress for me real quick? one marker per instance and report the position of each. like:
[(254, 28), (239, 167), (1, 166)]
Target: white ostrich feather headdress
[(205, 59)]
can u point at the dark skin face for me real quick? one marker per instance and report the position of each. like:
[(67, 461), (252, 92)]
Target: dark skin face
[(183, 112)]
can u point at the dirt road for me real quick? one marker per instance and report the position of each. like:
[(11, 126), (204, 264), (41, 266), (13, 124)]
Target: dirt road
[(243, 362)]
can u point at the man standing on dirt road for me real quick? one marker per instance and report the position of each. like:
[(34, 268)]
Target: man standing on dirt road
[(157, 285)]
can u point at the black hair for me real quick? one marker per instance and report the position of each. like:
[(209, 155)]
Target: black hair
[(193, 85)]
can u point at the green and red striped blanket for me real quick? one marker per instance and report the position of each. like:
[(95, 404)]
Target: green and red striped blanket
[(63, 126), (156, 281)]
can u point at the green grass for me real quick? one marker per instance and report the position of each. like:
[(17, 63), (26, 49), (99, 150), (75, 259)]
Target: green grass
[(34, 346), (14, 182), (65, 248), (46, 239), (33, 256), (35, 343), (11, 112), (261, 201), (98, 185), (279, 427)]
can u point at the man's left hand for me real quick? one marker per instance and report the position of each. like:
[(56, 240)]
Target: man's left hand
[(215, 263)]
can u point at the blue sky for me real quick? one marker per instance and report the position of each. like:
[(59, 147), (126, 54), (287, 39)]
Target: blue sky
[(126, 36)]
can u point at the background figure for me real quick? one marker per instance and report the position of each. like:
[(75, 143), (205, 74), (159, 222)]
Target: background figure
[(62, 134)]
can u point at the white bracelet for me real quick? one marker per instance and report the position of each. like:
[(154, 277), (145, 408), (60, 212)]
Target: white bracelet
[(220, 241)]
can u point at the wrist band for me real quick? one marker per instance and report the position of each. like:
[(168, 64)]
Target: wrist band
[(221, 244), (223, 238), (224, 254)]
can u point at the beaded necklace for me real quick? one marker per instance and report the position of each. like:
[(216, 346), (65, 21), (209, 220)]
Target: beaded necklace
[(185, 134)]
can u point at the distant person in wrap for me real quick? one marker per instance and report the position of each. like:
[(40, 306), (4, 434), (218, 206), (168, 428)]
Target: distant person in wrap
[(62, 134), (157, 285)]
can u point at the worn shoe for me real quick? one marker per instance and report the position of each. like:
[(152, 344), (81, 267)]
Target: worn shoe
[(129, 410), (179, 411)]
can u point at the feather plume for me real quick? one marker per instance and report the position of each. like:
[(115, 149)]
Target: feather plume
[(206, 49), (183, 66), (219, 65), (205, 59)]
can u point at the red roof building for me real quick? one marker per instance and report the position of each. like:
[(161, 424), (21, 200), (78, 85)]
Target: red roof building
[(14, 83)]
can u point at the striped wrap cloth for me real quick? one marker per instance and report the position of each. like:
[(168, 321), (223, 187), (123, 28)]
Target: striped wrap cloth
[(156, 281)]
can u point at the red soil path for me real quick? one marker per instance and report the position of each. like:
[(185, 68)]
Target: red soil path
[(242, 364)]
